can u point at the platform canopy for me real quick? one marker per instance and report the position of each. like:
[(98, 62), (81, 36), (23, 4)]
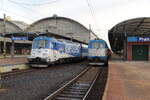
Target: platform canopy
[(131, 27)]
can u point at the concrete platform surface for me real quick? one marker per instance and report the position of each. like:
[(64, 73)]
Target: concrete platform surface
[(10, 64), (9, 61), (9, 56), (128, 81)]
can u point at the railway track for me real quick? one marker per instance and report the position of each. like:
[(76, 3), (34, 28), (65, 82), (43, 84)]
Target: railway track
[(26, 86), (78, 88)]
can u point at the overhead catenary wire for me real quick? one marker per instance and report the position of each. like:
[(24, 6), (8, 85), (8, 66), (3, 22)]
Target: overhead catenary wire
[(35, 4), (91, 9), (31, 10), (93, 4), (31, 19), (1, 4), (14, 13)]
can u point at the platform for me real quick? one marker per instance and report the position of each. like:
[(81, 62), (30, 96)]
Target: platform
[(128, 81), (9, 64)]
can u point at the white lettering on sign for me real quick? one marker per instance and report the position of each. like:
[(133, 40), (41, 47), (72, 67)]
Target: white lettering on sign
[(144, 39), (19, 38)]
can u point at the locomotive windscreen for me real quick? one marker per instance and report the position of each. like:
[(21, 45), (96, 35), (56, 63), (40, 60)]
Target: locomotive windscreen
[(97, 45), (37, 44)]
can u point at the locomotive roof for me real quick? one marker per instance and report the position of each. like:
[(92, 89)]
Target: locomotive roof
[(97, 40), (55, 40), (45, 38)]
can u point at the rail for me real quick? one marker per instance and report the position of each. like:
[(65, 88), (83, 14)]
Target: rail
[(67, 84), (74, 89)]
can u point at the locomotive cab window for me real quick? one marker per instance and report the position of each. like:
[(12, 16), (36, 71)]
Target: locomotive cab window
[(101, 45), (50, 45), (39, 44), (95, 45)]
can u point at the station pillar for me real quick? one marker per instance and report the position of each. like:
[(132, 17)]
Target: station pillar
[(4, 48), (12, 48), (0, 81), (0, 47), (125, 50)]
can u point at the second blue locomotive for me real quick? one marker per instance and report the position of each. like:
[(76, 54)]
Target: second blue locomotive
[(98, 52)]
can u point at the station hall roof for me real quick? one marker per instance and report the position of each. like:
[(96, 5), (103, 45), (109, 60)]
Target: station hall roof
[(9, 27), (132, 27), (58, 17), (51, 18), (62, 26), (21, 24), (55, 26)]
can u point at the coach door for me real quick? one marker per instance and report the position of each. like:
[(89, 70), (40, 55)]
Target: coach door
[(139, 52)]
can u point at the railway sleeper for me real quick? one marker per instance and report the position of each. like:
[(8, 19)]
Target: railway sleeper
[(82, 84), (64, 98), (75, 92), (71, 95), (79, 90)]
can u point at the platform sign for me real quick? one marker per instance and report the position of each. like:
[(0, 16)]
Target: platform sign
[(144, 39), (19, 38), (138, 39)]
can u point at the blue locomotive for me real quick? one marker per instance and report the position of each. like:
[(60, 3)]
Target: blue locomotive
[(98, 52), (47, 50)]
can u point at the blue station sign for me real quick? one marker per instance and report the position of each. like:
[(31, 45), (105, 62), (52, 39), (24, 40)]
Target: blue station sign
[(19, 38), (138, 39)]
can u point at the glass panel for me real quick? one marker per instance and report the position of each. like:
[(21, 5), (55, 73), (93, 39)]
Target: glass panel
[(101, 45), (39, 44), (95, 45)]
